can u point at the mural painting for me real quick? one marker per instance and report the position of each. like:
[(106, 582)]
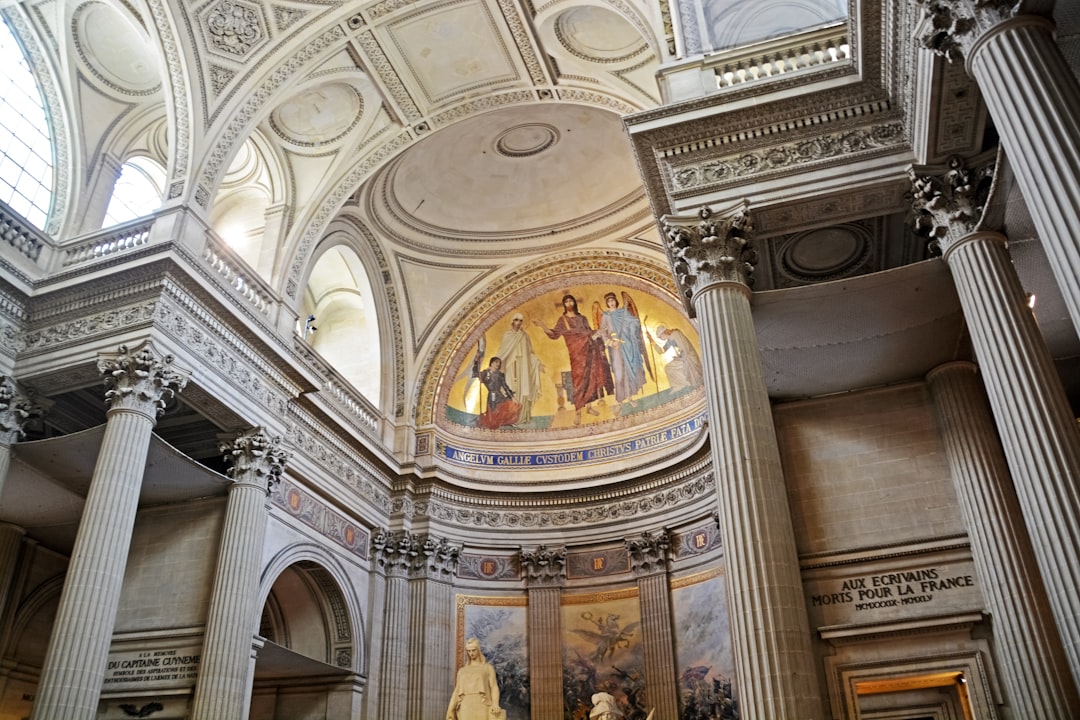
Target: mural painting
[(499, 624), (592, 353), (603, 652), (703, 652)]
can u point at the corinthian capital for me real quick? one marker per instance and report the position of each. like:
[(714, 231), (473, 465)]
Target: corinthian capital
[(255, 458), (649, 552), (716, 249), (544, 566), (16, 410), (949, 205), (140, 380), (950, 27), (396, 553), (441, 557)]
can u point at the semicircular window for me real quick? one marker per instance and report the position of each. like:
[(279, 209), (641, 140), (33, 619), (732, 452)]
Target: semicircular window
[(137, 191), (26, 166)]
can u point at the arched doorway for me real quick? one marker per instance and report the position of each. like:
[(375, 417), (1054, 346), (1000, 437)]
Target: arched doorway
[(306, 665)]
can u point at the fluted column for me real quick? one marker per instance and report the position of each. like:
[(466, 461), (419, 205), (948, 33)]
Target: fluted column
[(431, 679), (139, 383), (713, 265), (545, 576), (1030, 657), (1038, 432), (649, 563), (11, 540), (395, 556), (223, 687), (1034, 98), (16, 410)]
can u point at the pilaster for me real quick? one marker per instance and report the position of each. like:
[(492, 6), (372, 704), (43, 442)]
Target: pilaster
[(545, 576), (431, 680), (223, 687), (395, 554), (649, 554), (139, 382), (16, 410), (713, 260)]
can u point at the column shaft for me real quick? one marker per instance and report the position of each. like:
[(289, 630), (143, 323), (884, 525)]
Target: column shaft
[(11, 540), (223, 688), (394, 673), (1034, 98), (770, 627), (545, 653), (431, 675), (376, 628), (75, 663), (1038, 431), (1031, 659), (662, 691)]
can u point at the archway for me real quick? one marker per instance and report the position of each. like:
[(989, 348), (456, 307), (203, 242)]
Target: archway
[(305, 667)]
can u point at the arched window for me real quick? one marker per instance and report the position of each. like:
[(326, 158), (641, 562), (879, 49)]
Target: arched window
[(26, 166), (137, 192)]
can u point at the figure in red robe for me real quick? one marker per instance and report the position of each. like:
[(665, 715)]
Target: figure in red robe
[(589, 370)]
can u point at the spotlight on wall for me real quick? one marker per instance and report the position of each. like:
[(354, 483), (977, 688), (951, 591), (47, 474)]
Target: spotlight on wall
[(308, 327)]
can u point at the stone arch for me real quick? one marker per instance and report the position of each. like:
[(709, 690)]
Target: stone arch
[(322, 600)]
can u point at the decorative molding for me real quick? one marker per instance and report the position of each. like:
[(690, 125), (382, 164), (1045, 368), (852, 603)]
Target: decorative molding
[(523, 40), (599, 563), (17, 409), (175, 66), (233, 28), (321, 518), (487, 567), (741, 167), (241, 119), (696, 541), (405, 554), (388, 75)]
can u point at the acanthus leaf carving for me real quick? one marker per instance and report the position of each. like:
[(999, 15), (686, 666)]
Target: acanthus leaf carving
[(717, 249)]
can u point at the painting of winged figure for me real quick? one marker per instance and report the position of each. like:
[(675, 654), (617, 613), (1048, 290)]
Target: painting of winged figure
[(603, 653), (565, 358)]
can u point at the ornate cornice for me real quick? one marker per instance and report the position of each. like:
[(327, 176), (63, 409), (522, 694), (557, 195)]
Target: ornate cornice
[(255, 458), (140, 379), (715, 250), (649, 552), (544, 566)]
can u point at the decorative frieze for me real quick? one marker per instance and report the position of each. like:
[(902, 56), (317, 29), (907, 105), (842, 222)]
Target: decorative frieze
[(597, 563), (487, 567), (544, 566), (140, 379), (309, 510), (716, 250)]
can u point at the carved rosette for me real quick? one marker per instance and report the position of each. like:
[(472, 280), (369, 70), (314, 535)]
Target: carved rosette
[(544, 566), (715, 250), (951, 27), (949, 206), (140, 380), (649, 552), (440, 558), (255, 458), (16, 410)]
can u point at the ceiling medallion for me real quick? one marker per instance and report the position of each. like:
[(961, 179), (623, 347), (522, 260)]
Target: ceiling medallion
[(526, 140)]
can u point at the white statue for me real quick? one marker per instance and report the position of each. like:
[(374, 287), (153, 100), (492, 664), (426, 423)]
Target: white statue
[(476, 692), (604, 707)]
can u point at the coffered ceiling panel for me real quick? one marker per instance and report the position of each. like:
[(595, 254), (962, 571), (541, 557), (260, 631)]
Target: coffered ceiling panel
[(453, 49)]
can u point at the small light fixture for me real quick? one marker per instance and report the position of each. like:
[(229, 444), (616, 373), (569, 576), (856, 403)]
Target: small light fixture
[(308, 327)]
